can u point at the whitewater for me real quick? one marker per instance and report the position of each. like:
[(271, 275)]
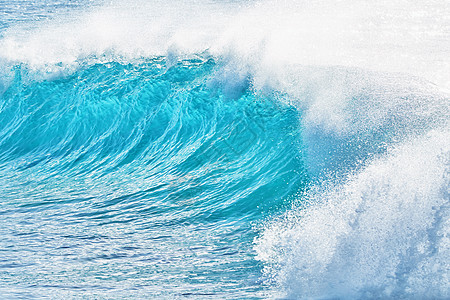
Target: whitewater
[(238, 149)]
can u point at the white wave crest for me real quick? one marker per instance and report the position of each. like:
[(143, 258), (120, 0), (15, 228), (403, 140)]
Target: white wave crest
[(401, 36)]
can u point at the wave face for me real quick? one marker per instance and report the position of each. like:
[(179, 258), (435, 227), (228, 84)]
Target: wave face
[(147, 168), (224, 149)]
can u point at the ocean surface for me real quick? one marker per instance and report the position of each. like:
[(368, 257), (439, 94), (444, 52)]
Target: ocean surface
[(212, 149)]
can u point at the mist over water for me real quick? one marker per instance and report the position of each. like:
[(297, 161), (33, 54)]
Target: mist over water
[(224, 149)]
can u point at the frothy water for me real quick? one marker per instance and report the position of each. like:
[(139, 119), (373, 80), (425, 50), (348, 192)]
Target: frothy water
[(383, 233), (224, 149)]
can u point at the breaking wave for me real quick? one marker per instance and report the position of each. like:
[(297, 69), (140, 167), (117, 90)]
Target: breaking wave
[(231, 149)]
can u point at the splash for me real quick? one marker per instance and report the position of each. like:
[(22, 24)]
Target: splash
[(405, 36), (382, 233)]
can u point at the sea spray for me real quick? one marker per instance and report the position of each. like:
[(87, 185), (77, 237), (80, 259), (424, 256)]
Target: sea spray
[(381, 233)]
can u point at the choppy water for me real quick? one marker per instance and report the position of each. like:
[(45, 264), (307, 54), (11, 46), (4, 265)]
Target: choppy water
[(224, 149)]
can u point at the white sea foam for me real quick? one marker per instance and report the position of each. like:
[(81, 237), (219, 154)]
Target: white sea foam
[(384, 233), (401, 36)]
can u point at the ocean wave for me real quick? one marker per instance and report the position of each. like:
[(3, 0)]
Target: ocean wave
[(150, 144)]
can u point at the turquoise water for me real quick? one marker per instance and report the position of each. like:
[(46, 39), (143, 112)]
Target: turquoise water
[(144, 174), (210, 172)]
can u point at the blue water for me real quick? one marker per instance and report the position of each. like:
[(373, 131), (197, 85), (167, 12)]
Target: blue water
[(180, 175), (147, 166)]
